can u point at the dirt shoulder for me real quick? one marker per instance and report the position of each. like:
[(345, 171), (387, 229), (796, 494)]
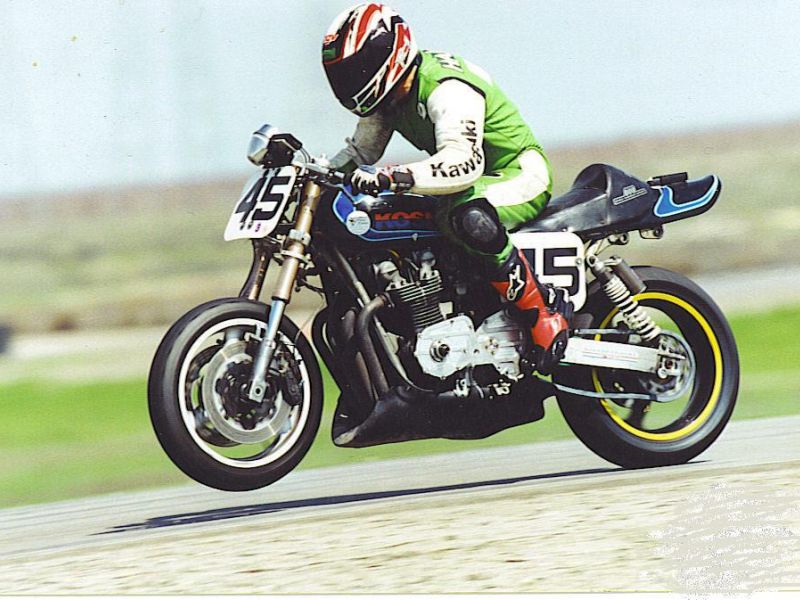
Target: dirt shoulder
[(717, 531)]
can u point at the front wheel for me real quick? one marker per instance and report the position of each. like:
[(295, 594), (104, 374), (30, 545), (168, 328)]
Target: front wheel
[(640, 433), (198, 402)]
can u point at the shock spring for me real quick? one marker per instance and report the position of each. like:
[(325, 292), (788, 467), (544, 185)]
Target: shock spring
[(634, 315)]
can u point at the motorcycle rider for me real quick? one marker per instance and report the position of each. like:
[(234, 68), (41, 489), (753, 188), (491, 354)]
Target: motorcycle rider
[(485, 163)]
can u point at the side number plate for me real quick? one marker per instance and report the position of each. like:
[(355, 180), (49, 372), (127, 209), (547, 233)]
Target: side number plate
[(557, 259), (260, 208)]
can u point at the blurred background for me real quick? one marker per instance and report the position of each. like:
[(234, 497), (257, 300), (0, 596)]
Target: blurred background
[(124, 129)]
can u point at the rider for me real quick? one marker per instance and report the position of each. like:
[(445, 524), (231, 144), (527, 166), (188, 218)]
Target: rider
[(485, 163)]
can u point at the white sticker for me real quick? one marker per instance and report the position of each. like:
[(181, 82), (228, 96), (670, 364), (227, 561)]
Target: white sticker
[(557, 258), (358, 222)]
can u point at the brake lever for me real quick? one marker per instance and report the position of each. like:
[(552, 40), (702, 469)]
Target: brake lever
[(343, 189), (326, 176), (334, 180)]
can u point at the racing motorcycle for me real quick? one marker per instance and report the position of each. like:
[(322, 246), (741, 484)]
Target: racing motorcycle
[(420, 345)]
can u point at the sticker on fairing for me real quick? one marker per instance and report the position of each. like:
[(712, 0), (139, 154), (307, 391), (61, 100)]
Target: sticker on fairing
[(358, 222), (259, 210), (557, 258)]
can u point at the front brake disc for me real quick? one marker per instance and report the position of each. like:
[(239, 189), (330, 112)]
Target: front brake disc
[(214, 403)]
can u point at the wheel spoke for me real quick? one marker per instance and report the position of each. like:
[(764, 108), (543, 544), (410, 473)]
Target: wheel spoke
[(638, 412)]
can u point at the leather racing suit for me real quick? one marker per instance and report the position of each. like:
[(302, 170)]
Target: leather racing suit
[(486, 165)]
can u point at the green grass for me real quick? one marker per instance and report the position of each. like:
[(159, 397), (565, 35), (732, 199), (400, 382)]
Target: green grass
[(69, 440), (769, 348)]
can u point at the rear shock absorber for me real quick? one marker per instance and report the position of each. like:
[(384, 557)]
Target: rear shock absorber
[(620, 283)]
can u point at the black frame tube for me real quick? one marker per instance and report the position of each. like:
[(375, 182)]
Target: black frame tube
[(363, 321)]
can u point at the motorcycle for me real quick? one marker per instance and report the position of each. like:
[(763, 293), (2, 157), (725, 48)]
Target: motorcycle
[(420, 345)]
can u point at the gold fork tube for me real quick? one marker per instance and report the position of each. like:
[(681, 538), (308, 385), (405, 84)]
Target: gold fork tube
[(294, 254), (295, 249)]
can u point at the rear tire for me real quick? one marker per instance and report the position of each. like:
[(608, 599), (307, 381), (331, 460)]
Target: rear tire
[(178, 399), (626, 440)]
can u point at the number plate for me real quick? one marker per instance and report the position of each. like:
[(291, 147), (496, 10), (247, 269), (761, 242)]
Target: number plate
[(259, 210), (557, 259)]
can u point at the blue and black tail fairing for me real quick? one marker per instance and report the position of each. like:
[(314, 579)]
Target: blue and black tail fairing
[(605, 200)]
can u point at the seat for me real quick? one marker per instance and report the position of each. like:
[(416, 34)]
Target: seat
[(601, 197)]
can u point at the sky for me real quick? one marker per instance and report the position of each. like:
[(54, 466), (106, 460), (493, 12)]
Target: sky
[(123, 92)]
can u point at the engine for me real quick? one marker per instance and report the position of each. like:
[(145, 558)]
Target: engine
[(446, 343)]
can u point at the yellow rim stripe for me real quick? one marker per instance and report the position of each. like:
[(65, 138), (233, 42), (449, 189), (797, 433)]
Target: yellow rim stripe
[(715, 392)]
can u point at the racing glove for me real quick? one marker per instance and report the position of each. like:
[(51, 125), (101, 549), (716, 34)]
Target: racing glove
[(369, 180)]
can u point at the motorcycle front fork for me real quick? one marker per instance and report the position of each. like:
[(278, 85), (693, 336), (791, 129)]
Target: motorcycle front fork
[(294, 255)]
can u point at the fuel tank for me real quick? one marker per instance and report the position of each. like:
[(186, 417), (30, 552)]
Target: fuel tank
[(389, 217)]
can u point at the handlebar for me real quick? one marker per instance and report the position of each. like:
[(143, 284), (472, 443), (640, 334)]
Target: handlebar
[(314, 165), (270, 148), (331, 176)]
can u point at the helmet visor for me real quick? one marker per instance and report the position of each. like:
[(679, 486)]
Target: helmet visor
[(358, 81)]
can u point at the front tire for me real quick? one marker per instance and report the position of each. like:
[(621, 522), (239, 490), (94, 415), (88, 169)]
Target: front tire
[(202, 418), (638, 434)]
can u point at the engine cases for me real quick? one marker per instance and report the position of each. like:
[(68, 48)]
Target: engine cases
[(499, 341)]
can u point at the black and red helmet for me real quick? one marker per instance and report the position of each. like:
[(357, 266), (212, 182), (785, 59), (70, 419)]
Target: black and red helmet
[(367, 51)]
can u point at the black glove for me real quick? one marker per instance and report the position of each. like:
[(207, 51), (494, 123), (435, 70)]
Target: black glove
[(371, 181)]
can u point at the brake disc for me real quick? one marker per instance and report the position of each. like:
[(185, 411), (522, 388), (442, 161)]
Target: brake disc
[(225, 421), (676, 375)]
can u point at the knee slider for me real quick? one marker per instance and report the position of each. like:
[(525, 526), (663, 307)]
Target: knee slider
[(479, 227)]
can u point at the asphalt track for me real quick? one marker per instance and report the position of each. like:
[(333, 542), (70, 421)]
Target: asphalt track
[(101, 525)]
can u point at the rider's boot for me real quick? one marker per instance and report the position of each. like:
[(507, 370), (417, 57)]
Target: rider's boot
[(547, 309)]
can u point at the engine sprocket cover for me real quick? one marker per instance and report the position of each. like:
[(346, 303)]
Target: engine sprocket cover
[(448, 347)]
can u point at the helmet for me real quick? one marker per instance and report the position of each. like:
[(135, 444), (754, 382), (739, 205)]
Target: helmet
[(367, 51)]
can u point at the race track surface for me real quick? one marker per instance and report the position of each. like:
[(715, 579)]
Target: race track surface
[(536, 518)]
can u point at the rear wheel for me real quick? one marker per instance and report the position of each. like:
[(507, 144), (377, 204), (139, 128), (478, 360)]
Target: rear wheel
[(640, 433)]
